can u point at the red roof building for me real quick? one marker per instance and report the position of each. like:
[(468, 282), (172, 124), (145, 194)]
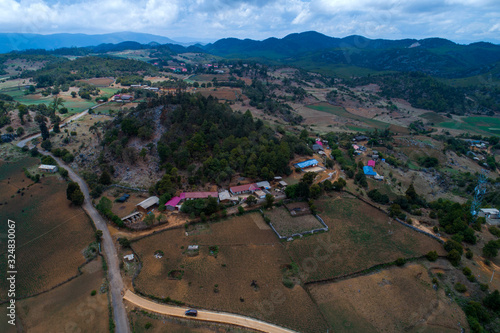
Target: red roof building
[(244, 188)]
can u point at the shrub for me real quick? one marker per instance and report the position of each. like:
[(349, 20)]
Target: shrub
[(494, 231), (492, 301), (454, 257), (461, 288), (124, 242), (93, 293), (467, 271), (432, 256), (241, 210), (469, 254), (400, 262), (483, 286)]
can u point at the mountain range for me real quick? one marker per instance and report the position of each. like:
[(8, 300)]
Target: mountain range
[(309, 50)]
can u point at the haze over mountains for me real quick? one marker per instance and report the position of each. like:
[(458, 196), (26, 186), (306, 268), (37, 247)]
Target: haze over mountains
[(22, 41)]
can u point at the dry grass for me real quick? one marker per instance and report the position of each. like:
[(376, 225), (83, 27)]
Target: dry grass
[(360, 236), (287, 225), (50, 234), (69, 308), (394, 300), (245, 253)]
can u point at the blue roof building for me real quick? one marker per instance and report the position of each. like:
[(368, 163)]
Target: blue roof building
[(369, 171), (306, 164)]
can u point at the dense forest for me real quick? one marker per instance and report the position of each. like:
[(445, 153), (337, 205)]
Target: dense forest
[(208, 140)]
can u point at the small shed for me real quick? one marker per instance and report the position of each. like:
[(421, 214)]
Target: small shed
[(148, 204), (224, 196), (490, 213), (260, 194), (129, 257), (264, 184), (48, 168), (316, 147), (378, 177), (371, 163), (283, 183)]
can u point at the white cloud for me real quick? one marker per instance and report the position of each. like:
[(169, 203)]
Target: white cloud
[(258, 19)]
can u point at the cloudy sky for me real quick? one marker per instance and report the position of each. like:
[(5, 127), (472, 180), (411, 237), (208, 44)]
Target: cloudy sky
[(459, 20)]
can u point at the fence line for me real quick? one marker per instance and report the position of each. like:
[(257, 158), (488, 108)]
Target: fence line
[(300, 234), (395, 218)]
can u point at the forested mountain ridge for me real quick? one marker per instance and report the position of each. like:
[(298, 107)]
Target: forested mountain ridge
[(434, 56)]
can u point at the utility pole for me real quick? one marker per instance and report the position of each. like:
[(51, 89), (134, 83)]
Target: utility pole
[(492, 275)]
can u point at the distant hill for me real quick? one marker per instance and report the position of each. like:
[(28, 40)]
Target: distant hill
[(20, 41), (435, 56)]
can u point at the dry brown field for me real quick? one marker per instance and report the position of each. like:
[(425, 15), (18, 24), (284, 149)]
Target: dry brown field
[(360, 237), (99, 81), (70, 307), (287, 225), (245, 253), (393, 300), (50, 233)]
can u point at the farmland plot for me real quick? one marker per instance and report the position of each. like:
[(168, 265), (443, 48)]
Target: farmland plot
[(51, 235), (360, 237), (238, 269), (288, 225), (393, 300)]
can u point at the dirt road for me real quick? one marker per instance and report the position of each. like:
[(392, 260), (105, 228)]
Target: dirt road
[(115, 279), (203, 315), (25, 141)]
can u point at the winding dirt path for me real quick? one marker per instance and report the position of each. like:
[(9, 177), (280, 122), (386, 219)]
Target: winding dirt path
[(204, 315)]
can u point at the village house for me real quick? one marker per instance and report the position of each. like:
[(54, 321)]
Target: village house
[(240, 189), (306, 164), (48, 168)]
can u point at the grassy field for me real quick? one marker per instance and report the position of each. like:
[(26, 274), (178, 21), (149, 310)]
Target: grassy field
[(393, 300), (434, 117), (50, 234), (288, 225), (341, 112), (74, 105), (233, 253), (360, 236), (475, 124)]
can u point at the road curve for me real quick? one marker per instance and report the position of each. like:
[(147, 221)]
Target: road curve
[(115, 279), (204, 315)]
